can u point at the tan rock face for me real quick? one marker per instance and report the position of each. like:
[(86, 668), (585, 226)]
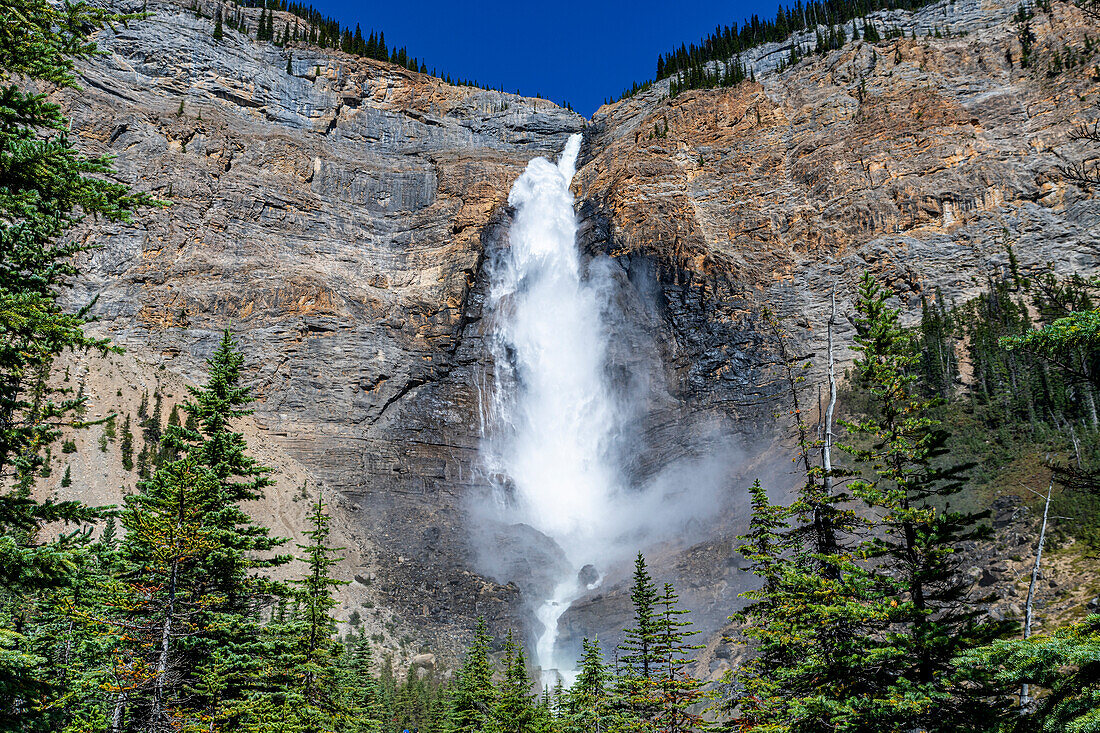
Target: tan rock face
[(901, 145), (338, 219), (918, 160)]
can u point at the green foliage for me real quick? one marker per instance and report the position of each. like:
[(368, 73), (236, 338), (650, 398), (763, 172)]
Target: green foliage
[(1032, 390), (916, 551), (474, 691), (310, 659), (639, 664), (679, 692), (1066, 664), (591, 704), (514, 710), (728, 42), (46, 186), (860, 634), (1070, 343)]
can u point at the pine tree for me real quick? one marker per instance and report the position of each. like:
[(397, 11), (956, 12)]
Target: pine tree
[(813, 629), (680, 693), (48, 185), (939, 364), (917, 551), (514, 710), (870, 32), (474, 694), (639, 667), (869, 647), (218, 34)]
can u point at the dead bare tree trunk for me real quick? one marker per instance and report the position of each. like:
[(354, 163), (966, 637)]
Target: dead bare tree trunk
[(118, 712), (1025, 698), (827, 444), (165, 637)]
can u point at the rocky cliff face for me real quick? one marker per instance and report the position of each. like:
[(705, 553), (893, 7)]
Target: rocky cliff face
[(918, 160), (338, 218), (334, 217)]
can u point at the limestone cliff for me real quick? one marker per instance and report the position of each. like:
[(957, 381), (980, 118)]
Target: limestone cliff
[(918, 160), (334, 218), (338, 218)]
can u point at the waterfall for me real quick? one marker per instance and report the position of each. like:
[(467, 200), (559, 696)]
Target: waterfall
[(553, 415)]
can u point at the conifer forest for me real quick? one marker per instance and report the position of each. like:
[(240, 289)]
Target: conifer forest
[(766, 398)]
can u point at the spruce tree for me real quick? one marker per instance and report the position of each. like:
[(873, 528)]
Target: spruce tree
[(916, 552), (474, 693), (216, 645), (680, 693), (301, 685), (315, 606), (514, 711), (813, 631), (869, 646), (165, 592), (359, 687), (639, 665), (590, 703), (1066, 663), (48, 185)]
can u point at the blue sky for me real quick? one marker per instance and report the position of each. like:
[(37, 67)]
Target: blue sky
[(577, 52)]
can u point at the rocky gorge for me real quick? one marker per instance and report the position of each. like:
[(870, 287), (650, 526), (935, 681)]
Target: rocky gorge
[(338, 213)]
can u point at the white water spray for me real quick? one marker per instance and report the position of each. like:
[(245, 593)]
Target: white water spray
[(553, 412)]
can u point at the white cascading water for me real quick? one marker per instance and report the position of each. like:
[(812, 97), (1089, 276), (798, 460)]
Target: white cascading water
[(553, 414)]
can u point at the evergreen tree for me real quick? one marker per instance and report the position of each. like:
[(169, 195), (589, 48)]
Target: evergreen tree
[(590, 706), (639, 666), (473, 697), (917, 550), (46, 186), (1066, 663), (315, 606), (939, 365), (301, 687), (218, 34), (813, 666), (870, 32), (360, 688), (165, 593), (216, 643), (514, 711), (869, 646), (680, 693)]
